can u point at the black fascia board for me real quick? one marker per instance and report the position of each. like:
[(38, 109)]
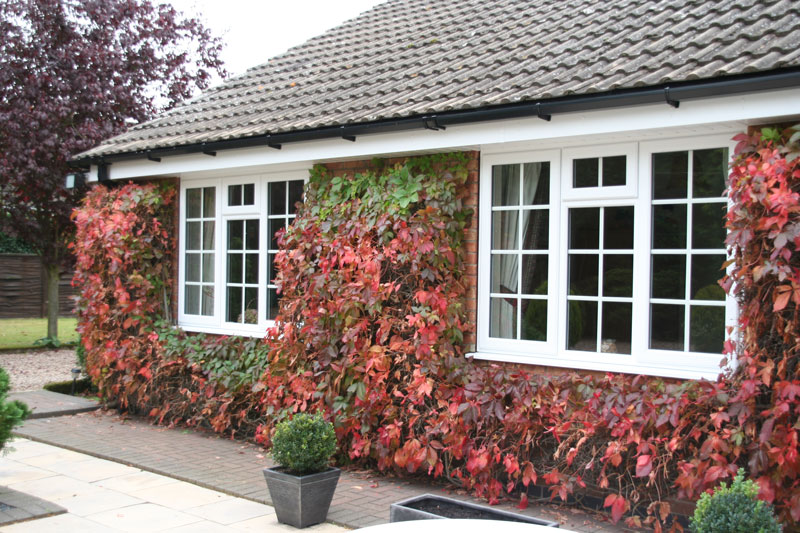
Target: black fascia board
[(666, 93)]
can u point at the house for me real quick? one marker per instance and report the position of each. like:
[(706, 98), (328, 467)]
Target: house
[(599, 132)]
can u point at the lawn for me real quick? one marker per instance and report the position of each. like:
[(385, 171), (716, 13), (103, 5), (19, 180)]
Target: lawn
[(23, 332)]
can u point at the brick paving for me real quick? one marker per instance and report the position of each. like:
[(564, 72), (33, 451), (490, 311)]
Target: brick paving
[(234, 467)]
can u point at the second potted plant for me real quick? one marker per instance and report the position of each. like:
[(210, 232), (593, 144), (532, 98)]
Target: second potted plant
[(303, 484)]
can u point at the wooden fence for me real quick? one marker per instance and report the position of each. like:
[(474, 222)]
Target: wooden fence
[(23, 288)]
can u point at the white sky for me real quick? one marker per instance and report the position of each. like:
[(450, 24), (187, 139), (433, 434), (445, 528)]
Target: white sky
[(255, 31)]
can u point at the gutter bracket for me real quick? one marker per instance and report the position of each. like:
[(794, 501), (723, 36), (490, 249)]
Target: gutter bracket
[(670, 101), (539, 113), (432, 123), (209, 152), (151, 157), (274, 145), (351, 138)]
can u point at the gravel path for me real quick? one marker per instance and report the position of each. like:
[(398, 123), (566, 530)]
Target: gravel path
[(31, 370)]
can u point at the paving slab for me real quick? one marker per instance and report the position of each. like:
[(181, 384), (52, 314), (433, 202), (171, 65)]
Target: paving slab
[(45, 403), (110, 504), (234, 467)]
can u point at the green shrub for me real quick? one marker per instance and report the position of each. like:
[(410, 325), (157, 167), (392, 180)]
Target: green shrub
[(734, 509), (12, 413), (304, 444), (233, 362)]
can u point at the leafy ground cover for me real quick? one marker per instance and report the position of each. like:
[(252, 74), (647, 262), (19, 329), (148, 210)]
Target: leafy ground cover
[(22, 333)]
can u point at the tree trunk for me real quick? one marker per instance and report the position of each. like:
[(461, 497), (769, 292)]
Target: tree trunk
[(53, 276)]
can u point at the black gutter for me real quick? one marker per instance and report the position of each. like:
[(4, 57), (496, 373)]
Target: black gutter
[(670, 94)]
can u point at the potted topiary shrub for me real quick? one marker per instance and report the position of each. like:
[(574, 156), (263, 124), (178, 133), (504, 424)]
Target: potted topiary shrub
[(734, 509), (303, 484)]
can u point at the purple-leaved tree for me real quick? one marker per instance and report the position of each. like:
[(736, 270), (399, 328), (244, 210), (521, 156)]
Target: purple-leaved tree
[(72, 73)]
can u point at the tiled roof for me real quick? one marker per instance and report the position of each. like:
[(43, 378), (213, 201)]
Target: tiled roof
[(410, 57)]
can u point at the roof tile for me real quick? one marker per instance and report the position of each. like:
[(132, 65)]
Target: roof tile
[(409, 57)]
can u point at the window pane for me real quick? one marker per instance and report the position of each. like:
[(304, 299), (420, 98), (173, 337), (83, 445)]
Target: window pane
[(708, 226), (234, 268), (193, 235), (669, 276), (295, 195), (503, 318), (582, 326), (192, 267), (249, 194), (209, 202), (706, 271), (616, 332), (534, 274), (191, 305), (586, 172), (193, 203), (534, 320), (234, 304), (505, 185), (272, 304), (536, 183), (707, 329), (251, 305), (274, 226), (617, 275), (251, 234), (208, 235), (614, 171), (505, 272), (536, 229), (584, 228), (235, 235), (504, 230), (234, 195), (272, 272), (251, 268), (670, 175), (666, 327), (583, 274), (709, 168), (277, 198), (208, 268), (669, 227), (208, 300), (618, 228)]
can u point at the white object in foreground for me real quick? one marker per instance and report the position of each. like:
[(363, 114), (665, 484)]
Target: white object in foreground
[(460, 526)]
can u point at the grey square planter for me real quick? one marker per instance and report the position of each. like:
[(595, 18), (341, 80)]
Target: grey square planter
[(301, 501), (420, 508)]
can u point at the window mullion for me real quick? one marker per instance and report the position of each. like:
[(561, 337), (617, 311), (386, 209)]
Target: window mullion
[(688, 264), (601, 240)]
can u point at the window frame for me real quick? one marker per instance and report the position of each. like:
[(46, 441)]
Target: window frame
[(642, 360), (515, 347), (610, 192), (217, 323)]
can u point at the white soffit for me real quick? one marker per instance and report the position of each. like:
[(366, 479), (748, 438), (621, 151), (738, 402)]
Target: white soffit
[(711, 115)]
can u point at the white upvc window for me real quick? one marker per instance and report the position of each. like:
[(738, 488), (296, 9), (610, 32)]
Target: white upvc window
[(227, 250), (606, 257)]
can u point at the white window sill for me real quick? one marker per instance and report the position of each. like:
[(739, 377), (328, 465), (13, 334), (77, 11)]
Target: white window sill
[(257, 331), (598, 365)]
